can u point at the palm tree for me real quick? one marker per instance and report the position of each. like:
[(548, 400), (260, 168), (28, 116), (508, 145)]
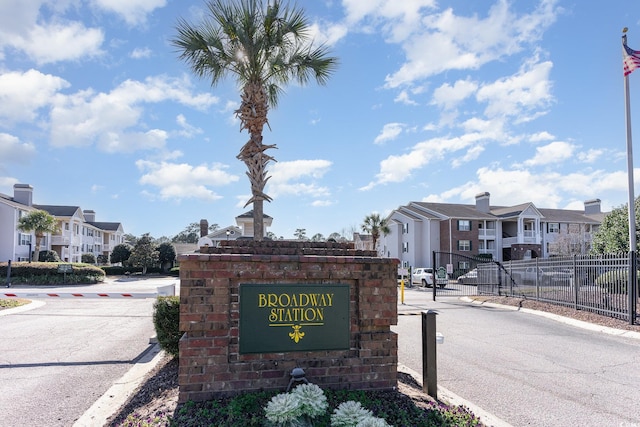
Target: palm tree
[(40, 223), (375, 226), (264, 45)]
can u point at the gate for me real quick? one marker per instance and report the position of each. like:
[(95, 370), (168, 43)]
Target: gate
[(461, 275)]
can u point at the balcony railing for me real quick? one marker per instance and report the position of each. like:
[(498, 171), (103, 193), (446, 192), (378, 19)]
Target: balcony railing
[(487, 232)]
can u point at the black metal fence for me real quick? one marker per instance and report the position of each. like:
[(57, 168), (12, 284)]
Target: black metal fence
[(597, 283)]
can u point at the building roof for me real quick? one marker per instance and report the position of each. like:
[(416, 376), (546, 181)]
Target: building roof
[(59, 210), (107, 226), (452, 210), (433, 210), (249, 214)]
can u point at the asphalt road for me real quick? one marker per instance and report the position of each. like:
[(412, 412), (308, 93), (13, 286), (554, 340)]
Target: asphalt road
[(525, 369), (57, 359)]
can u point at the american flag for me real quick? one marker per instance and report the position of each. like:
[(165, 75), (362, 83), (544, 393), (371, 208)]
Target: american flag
[(630, 58)]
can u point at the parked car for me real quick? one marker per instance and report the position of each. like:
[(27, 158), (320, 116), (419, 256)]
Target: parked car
[(543, 276), (469, 278), (422, 276)]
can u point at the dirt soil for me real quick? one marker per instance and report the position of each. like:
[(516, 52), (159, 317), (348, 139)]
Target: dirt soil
[(158, 393)]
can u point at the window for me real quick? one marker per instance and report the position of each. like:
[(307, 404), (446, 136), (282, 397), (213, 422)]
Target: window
[(24, 239), (464, 265), (464, 245), (553, 227), (464, 225), (405, 247), (405, 228), (66, 226)]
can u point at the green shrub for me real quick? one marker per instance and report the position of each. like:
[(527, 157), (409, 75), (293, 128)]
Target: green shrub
[(166, 319), (175, 271), (48, 256), (46, 273), (88, 258), (113, 270), (616, 281)]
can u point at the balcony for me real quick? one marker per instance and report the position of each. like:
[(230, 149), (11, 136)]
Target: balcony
[(487, 233), (60, 240)]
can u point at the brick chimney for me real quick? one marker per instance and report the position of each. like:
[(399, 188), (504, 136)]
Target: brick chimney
[(204, 227)]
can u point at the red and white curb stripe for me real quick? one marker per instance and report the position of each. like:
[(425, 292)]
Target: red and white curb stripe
[(78, 295), (162, 291)]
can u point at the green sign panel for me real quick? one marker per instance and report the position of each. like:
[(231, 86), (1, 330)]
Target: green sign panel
[(65, 268), (278, 318)]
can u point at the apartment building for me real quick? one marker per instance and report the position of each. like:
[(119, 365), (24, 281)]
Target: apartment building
[(503, 232), (78, 231)]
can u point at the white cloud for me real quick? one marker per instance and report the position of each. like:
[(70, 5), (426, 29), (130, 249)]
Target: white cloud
[(22, 94), (298, 177), (12, 150), (555, 152), (55, 42), (513, 186), (398, 168), (593, 155), (389, 132), (404, 98), (131, 11), (541, 136), (444, 41), (188, 130), (111, 120), (140, 53), (177, 181), (525, 91), (447, 96)]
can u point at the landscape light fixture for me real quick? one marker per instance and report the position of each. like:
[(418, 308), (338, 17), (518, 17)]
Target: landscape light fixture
[(297, 376)]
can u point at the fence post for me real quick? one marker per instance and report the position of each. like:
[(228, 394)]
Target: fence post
[(576, 285), (429, 359), (631, 288), (433, 285), (9, 274)]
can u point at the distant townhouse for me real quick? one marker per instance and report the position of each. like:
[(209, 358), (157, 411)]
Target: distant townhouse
[(502, 232), (78, 231)]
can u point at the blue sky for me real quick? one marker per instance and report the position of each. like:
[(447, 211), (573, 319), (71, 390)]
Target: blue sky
[(432, 101)]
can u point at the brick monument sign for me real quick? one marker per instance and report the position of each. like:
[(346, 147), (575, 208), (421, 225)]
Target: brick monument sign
[(252, 312)]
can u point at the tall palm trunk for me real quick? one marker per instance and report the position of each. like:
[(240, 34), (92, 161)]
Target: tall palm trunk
[(253, 116)]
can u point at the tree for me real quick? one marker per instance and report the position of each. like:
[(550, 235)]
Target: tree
[(335, 237), (375, 225), (88, 258), (318, 237), (130, 239), (144, 254), (613, 234), (166, 254), (40, 223), (300, 234), (264, 45), (120, 253), (271, 235), (191, 233)]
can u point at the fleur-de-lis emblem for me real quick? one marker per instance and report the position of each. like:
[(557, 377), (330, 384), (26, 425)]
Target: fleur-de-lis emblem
[(296, 335)]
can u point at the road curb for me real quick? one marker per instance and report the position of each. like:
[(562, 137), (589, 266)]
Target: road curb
[(120, 392), (562, 319), (453, 399)]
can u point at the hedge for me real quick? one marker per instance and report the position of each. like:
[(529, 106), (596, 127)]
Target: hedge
[(45, 273)]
